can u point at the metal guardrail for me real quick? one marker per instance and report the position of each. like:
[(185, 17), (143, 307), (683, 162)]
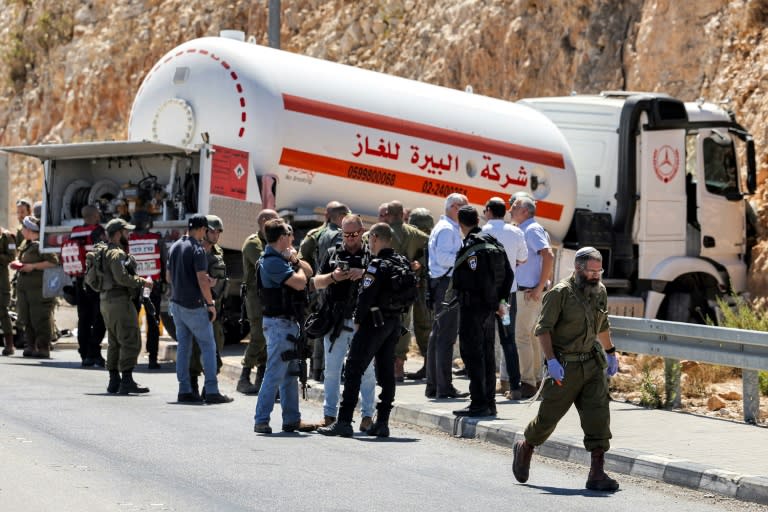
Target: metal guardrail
[(723, 346)]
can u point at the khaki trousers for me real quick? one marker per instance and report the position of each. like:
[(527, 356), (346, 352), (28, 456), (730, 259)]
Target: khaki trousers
[(528, 347)]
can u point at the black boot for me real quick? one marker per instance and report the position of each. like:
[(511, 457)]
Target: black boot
[(153, 364), (521, 463), (128, 385), (114, 381), (380, 427), (597, 479), (244, 382), (338, 428), (195, 387)]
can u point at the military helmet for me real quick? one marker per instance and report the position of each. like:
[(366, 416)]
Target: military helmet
[(214, 222), (422, 219)]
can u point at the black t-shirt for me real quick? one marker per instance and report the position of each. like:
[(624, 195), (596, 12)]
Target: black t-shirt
[(187, 258)]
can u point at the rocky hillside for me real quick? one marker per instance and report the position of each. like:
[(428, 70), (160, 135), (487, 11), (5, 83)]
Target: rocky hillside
[(70, 68)]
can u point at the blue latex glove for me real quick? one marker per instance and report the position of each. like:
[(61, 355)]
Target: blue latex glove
[(556, 370), (613, 365)]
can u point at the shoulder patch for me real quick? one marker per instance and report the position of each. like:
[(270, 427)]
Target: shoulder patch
[(368, 280), (371, 269), (472, 262)]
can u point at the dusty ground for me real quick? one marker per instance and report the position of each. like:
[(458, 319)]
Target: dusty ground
[(706, 390)]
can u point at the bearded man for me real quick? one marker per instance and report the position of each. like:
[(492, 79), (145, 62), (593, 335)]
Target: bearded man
[(574, 316)]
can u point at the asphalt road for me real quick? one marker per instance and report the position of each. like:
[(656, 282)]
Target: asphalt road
[(66, 445)]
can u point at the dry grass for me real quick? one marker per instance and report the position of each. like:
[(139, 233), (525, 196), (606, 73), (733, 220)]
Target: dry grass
[(697, 378)]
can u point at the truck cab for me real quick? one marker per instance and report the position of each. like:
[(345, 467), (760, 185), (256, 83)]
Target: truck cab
[(661, 188)]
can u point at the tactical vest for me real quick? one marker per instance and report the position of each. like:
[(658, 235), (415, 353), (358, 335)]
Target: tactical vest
[(282, 301), (400, 290), (480, 272), (145, 249), (74, 249)]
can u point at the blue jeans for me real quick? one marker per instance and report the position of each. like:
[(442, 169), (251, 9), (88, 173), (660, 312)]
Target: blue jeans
[(511, 369), (193, 324), (279, 374), (334, 359)]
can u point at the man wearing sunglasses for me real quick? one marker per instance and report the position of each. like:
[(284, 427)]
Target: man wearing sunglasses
[(574, 314), (339, 277)]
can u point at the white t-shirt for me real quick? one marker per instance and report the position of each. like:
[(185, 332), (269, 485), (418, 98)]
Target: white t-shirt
[(513, 240)]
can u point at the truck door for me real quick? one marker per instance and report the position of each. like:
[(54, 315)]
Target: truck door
[(662, 207), (720, 205)]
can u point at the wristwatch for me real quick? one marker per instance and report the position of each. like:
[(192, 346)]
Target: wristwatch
[(211, 305)]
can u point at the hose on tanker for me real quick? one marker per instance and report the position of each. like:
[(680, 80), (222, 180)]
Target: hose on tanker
[(79, 199), (190, 191)]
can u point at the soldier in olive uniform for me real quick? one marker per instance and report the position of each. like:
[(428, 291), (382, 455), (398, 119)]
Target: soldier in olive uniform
[(120, 284), (256, 352), (411, 243), (574, 315), (422, 313), (7, 255), (35, 311), (217, 274)]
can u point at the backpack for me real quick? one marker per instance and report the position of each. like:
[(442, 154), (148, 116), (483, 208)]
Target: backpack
[(484, 288), (94, 267), (402, 285)]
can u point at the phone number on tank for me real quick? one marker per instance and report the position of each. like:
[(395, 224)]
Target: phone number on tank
[(441, 189)]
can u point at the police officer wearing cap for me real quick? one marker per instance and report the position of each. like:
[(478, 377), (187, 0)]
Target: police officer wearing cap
[(377, 331), (482, 277), (193, 309), (574, 314), (120, 284), (411, 243), (217, 275)]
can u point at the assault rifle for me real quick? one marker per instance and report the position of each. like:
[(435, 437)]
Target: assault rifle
[(301, 350)]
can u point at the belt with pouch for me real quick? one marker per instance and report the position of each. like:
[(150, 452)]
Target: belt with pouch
[(576, 357), (526, 288)]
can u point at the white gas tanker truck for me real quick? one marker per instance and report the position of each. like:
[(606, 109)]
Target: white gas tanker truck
[(226, 127)]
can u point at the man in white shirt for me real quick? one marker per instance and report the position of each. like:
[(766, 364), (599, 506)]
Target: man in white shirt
[(513, 240), (444, 242)]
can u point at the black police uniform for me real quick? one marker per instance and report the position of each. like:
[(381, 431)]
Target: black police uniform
[(376, 336), (482, 277)]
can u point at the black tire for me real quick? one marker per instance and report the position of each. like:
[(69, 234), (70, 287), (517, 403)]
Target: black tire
[(679, 308), (167, 320)]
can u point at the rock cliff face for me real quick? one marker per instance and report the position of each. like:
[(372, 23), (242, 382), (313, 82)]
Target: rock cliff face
[(70, 68)]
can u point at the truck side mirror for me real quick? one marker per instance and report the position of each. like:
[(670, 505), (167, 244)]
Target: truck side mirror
[(751, 167)]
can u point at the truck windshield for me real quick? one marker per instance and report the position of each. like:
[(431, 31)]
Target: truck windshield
[(720, 171)]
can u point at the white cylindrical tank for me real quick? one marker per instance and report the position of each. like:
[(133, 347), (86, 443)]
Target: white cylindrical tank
[(325, 131)]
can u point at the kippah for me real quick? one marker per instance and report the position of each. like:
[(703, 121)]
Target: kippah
[(586, 251)]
